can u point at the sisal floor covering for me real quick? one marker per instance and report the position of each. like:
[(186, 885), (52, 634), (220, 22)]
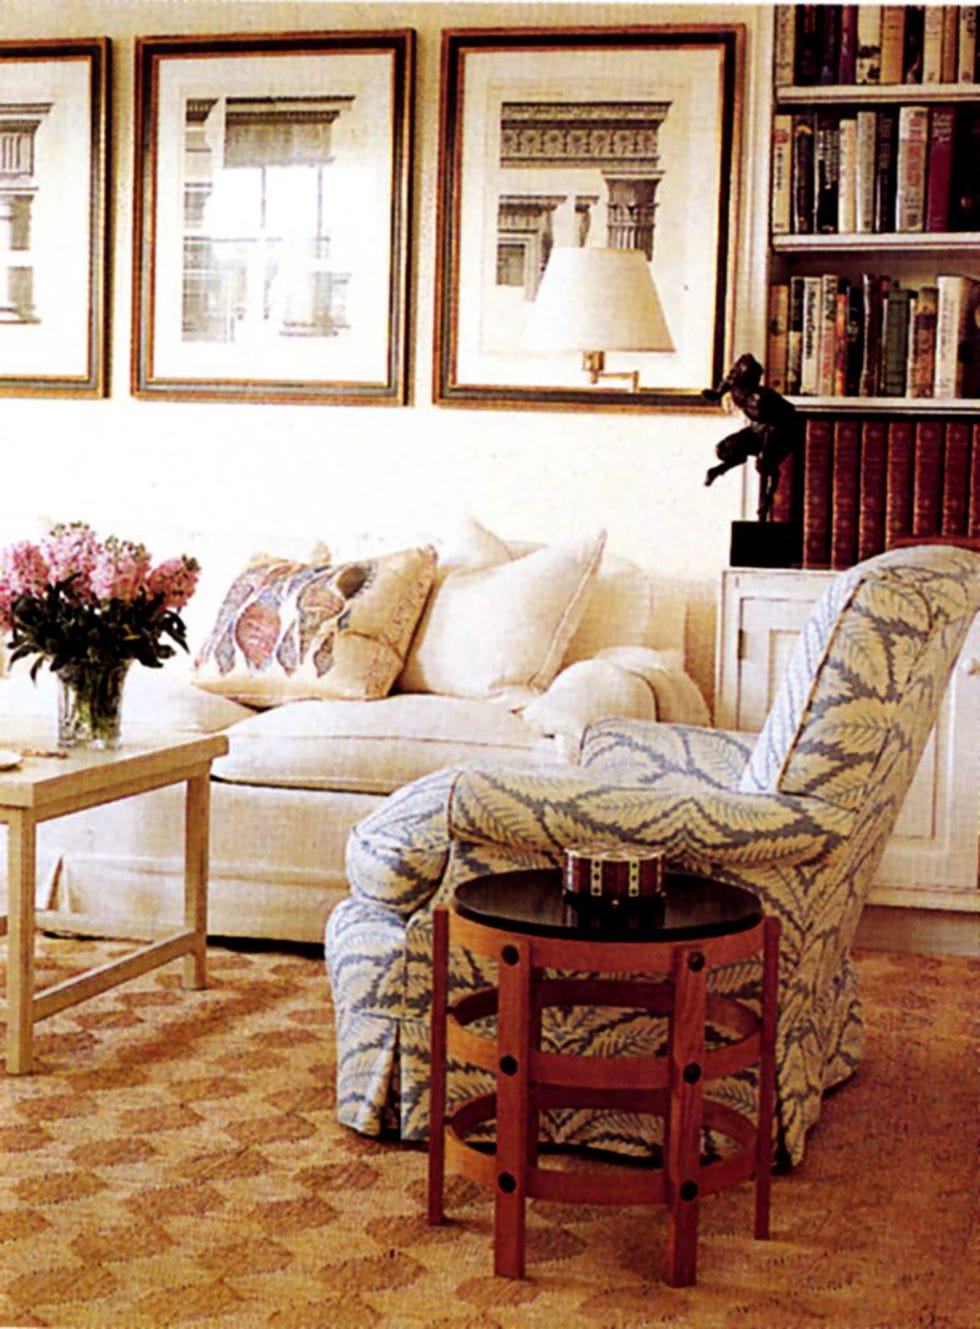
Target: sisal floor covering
[(176, 1161)]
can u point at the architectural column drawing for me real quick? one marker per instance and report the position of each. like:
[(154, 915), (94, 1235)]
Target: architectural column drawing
[(617, 139), (524, 238), (19, 123)]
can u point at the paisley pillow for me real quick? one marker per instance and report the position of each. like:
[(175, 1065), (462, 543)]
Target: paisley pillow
[(288, 630)]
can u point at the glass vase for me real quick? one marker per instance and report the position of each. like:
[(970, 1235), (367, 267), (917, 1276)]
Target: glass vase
[(90, 705)]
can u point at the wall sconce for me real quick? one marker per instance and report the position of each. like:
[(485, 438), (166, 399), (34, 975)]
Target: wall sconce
[(594, 301)]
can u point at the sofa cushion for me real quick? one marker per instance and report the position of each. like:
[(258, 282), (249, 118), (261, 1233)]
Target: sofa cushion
[(374, 747), (501, 631), (290, 630)]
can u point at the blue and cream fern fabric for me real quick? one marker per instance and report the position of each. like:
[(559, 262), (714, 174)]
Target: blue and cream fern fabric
[(801, 818)]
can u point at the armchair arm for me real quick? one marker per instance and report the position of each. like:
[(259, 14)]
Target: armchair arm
[(546, 813), (643, 753)]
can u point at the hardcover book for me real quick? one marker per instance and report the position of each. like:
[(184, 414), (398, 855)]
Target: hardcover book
[(912, 49), (939, 170), (967, 45), (868, 63), (892, 43), (956, 478), (830, 288), (874, 289), (964, 199), (973, 499), (932, 43), (847, 57), (898, 481), (927, 477), (871, 511), (921, 374), (785, 45), (817, 459), (951, 30), (845, 489), (847, 174), (794, 336), (955, 326), (782, 167), (777, 339), (802, 173), (807, 45), (865, 167), (886, 155), (895, 342), (910, 182), (826, 147), (812, 322)]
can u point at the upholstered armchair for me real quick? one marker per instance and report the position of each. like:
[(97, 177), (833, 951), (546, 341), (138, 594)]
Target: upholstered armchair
[(800, 815)]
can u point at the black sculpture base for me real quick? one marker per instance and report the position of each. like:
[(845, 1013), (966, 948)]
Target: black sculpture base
[(765, 544)]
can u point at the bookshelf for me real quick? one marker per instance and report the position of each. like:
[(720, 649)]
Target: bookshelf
[(874, 226)]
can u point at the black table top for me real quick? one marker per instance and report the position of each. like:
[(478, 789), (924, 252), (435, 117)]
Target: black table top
[(533, 902)]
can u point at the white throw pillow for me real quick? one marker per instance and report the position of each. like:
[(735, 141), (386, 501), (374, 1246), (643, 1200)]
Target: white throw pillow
[(501, 631)]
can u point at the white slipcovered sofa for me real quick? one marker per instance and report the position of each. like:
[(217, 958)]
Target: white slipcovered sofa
[(504, 652)]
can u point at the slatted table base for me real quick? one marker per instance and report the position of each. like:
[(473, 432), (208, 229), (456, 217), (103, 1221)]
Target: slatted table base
[(530, 1080)]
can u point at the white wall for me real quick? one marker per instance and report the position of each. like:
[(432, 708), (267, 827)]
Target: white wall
[(218, 480)]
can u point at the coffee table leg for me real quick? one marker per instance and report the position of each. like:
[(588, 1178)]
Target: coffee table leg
[(197, 821), (21, 856)]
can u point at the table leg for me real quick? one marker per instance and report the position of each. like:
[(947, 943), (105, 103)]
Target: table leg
[(21, 874), (682, 1146), (767, 1076), (514, 1022), (437, 1064), (197, 822)]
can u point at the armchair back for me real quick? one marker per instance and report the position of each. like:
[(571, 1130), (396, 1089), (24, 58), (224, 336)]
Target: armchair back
[(866, 677)]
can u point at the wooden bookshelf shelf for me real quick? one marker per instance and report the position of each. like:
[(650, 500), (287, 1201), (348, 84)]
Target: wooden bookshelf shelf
[(863, 242), (849, 94), (889, 405)]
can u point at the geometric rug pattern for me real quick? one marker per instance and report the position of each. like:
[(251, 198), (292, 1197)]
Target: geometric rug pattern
[(175, 1161)]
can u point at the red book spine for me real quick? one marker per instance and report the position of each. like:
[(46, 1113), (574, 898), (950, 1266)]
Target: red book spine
[(973, 503), (939, 172), (844, 493), (927, 477), (871, 517), (782, 503), (817, 457), (956, 478), (898, 481)]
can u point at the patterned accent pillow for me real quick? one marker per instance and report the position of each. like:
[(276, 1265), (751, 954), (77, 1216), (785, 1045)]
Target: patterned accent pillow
[(288, 630)]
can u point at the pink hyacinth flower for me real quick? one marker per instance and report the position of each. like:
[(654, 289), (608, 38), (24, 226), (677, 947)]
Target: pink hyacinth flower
[(120, 570), (71, 550), (24, 568), (174, 580)]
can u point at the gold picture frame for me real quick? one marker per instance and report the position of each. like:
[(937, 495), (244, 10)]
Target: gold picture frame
[(272, 209), (620, 137), (54, 228)]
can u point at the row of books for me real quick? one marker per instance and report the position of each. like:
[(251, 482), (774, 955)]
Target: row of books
[(861, 44), (869, 482), (832, 337), (891, 169)]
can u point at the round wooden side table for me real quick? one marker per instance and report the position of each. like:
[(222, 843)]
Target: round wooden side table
[(669, 946)]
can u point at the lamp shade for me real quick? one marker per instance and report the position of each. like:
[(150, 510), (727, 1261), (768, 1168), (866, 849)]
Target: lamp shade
[(597, 300)]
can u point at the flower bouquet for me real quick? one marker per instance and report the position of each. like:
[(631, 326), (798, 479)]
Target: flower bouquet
[(89, 608)]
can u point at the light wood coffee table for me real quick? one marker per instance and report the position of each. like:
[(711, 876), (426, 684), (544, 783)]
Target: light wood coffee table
[(44, 787)]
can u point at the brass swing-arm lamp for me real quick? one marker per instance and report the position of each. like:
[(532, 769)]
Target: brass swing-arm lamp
[(594, 301)]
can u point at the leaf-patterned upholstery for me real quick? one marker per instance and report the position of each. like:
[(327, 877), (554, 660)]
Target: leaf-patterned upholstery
[(801, 817)]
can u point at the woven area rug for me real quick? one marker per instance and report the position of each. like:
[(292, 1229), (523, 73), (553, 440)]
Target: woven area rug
[(176, 1160)]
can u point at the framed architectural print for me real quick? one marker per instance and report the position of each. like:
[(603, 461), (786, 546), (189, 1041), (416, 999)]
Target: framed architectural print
[(54, 98), (587, 201), (271, 217)]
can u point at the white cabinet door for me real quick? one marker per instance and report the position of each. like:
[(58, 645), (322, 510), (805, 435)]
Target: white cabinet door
[(931, 859)]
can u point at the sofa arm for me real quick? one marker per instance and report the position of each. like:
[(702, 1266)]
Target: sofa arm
[(649, 753)]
